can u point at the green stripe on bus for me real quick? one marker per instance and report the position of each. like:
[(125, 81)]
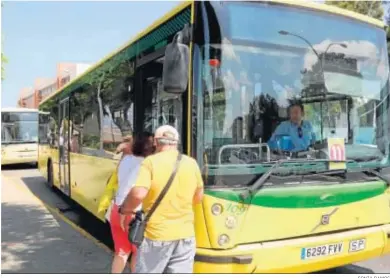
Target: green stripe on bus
[(313, 196)]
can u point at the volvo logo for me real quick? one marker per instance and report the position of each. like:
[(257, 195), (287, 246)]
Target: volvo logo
[(325, 219)]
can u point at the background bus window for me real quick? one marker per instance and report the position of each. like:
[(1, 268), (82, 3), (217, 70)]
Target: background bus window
[(19, 127)]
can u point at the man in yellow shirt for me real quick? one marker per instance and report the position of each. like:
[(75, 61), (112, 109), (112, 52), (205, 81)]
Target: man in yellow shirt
[(169, 244)]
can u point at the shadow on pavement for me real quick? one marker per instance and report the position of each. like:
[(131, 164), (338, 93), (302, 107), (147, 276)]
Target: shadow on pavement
[(34, 242), (70, 209), (23, 242), (51, 196), (16, 167)]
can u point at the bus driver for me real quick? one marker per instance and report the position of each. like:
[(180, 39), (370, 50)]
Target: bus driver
[(300, 131)]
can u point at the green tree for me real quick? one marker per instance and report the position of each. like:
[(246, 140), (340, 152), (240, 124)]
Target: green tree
[(370, 8)]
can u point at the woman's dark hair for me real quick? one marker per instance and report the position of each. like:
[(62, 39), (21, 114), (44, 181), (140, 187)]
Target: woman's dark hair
[(142, 145)]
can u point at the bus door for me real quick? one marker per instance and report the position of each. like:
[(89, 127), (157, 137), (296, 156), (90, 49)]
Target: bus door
[(157, 107), (64, 146)]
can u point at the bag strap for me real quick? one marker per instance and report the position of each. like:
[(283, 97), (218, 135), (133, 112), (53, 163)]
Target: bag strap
[(165, 189)]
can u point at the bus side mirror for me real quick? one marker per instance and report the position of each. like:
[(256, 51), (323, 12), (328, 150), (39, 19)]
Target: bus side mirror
[(176, 62)]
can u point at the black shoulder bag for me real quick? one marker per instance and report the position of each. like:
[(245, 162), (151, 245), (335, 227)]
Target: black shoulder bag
[(138, 225)]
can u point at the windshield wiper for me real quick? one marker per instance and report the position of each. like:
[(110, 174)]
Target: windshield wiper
[(376, 174), (367, 171), (367, 159), (327, 173), (261, 181), (372, 172)]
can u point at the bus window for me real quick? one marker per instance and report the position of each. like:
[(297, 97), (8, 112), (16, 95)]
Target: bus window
[(161, 108)]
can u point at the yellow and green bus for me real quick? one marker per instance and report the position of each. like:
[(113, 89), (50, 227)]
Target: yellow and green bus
[(224, 73), (19, 136)]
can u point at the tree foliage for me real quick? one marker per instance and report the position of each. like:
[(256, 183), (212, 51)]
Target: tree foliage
[(370, 8)]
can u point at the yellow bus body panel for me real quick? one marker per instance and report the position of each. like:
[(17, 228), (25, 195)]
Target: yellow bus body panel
[(89, 177), (270, 236), (284, 256)]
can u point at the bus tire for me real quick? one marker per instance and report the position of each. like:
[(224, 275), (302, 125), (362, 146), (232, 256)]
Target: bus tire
[(50, 175)]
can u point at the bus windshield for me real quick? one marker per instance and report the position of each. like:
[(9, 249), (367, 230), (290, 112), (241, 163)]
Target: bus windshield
[(19, 127), (259, 58)]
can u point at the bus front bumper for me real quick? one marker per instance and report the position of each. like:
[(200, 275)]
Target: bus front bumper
[(290, 256), (19, 158)]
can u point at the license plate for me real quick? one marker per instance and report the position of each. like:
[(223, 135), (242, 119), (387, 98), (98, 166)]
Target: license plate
[(357, 245), (321, 251)]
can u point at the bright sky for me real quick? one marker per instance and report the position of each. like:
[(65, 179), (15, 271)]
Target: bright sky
[(38, 35)]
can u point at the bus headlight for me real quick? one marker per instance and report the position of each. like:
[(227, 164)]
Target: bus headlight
[(216, 209), (230, 222), (223, 239)]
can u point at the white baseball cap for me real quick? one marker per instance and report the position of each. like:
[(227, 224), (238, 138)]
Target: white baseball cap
[(167, 132)]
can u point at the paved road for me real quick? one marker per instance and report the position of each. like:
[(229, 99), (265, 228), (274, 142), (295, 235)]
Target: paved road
[(34, 182), (36, 240)]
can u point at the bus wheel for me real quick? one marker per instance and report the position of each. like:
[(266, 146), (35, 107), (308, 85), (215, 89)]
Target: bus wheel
[(50, 175)]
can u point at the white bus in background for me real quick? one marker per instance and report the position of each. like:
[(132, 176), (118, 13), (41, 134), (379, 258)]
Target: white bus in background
[(19, 136)]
